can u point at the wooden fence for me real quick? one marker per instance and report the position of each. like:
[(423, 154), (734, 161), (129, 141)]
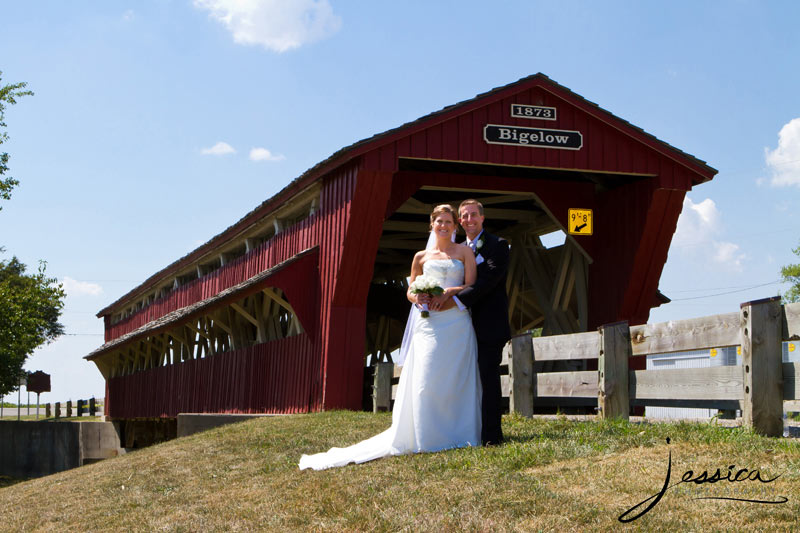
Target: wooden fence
[(758, 387), (90, 407)]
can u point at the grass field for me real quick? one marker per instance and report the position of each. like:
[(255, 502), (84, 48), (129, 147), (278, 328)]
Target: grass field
[(552, 475)]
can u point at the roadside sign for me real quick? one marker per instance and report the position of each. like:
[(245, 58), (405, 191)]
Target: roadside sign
[(580, 221), (38, 382)]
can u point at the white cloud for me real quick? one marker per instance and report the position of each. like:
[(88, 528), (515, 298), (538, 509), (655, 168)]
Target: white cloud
[(784, 161), (74, 287), (128, 15), (278, 25), (221, 148), (697, 235), (262, 154), (697, 223), (727, 252)]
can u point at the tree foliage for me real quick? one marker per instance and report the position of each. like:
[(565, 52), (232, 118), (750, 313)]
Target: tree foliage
[(791, 274), (30, 305), (8, 96)]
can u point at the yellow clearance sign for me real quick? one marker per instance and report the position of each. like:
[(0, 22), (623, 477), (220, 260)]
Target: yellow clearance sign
[(580, 222)]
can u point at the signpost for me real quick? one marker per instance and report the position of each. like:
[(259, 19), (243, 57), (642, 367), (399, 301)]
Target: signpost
[(38, 382), (23, 380)]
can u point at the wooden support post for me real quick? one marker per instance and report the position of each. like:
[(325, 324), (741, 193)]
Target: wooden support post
[(762, 366), (520, 371), (242, 311), (382, 387), (69, 408), (58, 410), (80, 408), (612, 366), (47, 412), (92, 406)]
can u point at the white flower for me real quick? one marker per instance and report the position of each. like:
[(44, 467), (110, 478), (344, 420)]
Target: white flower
[(421, 283)]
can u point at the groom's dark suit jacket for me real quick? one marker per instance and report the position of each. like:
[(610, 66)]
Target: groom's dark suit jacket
[(487, 298)]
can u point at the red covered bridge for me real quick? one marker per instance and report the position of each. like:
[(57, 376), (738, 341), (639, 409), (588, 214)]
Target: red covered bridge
[(282, 311)]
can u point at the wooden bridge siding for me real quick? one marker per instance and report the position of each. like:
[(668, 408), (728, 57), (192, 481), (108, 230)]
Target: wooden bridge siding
[(606, 148), (279, 248), (354, 203), (345, 322), (648, 262), (265, 378), (634, 225), (321, 373)]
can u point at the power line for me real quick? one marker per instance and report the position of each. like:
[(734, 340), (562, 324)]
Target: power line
[(724, 293), (719, 288)]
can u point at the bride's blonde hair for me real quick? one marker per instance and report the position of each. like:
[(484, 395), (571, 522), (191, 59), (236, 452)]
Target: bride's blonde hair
[(441, 209)]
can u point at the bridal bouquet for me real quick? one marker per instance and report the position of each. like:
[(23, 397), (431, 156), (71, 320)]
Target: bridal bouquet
[(427, 285)]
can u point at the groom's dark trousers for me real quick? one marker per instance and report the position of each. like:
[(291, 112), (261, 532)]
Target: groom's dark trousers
[(488, 304)]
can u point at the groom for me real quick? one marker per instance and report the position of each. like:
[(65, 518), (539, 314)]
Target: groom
[(488, 302)]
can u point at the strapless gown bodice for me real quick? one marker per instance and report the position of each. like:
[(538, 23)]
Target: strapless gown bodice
[(447, 272)]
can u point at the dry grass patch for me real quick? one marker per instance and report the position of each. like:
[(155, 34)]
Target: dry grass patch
[(552, 475)]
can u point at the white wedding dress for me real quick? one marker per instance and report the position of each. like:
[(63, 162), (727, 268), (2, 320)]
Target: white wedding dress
[(438, 401)]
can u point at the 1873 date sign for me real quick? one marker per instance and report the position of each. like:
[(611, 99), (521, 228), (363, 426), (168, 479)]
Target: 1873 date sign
[(533, 137)]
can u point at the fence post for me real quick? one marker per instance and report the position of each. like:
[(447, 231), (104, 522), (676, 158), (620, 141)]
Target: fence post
[(47, 410), (80, 407), (762, 366), (382, 387), (69, 408), (92, 406), (58, 410), (612, 367), (520, 375)]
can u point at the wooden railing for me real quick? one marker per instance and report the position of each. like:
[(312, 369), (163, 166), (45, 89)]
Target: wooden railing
[(759, 387)]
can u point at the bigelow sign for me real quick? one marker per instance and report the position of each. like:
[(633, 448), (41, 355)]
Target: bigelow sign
[(533, 137)]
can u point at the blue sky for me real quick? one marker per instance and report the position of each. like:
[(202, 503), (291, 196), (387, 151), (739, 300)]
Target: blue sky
[(157, 124)]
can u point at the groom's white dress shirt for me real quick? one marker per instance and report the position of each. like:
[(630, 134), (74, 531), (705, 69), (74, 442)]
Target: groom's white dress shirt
[(474, 247)]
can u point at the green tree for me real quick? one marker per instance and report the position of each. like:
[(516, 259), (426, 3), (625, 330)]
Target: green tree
[(30, 305), (791, 274), (8, 96)]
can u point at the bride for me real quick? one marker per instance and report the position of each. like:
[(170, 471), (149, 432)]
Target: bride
[(438, 402)]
